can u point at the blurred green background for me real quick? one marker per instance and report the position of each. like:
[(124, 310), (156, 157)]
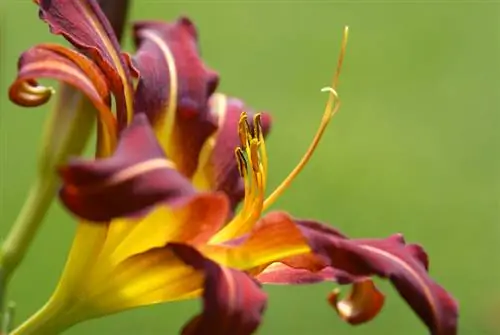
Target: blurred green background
[(415, 148)]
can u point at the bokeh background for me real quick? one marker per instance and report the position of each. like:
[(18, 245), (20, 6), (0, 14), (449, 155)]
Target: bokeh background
[(415, 148)]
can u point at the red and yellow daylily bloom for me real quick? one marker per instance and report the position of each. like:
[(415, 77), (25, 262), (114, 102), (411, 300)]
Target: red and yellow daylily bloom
[(157, 206)]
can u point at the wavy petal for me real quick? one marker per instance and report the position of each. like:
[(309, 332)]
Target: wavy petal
[(83, 24), (303, 269), (53, 61), (363, 302), (136, 177), (173, 89), (404, 265), (233, 302), (217, 169)]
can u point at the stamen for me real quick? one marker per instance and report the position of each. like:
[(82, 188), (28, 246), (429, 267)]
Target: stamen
[(252, 163), (257, 122), (241, 162), (249, 158), (254, 155), (243, 130), (257, 126), (243, 169), (331, 109)]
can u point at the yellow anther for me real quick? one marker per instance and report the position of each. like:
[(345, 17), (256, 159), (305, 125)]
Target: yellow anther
[(241, 162), (254, 155), (243, 130), (257, 126)]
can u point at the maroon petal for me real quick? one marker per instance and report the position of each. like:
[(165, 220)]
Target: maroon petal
[(220, 171), (233, 302), (83, 24), (174, 88), (136, 177), (404, 265), (116, 12)]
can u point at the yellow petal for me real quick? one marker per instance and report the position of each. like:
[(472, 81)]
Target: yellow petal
[(87, 244), (152, 277), (193, 222)]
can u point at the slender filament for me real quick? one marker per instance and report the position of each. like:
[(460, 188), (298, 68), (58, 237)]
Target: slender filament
[(332, 106)]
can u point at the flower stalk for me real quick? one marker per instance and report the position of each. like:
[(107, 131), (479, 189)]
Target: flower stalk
[(66, 133), (18, 240)]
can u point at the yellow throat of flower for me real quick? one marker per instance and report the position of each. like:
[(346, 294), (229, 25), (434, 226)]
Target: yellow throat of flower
[(251, 157)]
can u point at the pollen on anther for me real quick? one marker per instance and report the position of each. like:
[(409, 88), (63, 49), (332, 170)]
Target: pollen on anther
[(241, 162)]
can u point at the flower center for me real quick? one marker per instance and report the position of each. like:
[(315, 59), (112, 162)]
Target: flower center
[(252, 162)]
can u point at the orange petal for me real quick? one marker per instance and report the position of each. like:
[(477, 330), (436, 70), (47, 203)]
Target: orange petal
[(274, 237)]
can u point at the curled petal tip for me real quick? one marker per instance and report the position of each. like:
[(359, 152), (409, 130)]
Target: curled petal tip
[(363, 303), (30, 94)]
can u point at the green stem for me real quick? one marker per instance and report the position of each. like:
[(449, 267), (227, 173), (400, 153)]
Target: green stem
[(24, 229), (66, 132), (8, 318)]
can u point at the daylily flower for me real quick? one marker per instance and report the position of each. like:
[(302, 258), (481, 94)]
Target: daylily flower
[(158, 211)]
